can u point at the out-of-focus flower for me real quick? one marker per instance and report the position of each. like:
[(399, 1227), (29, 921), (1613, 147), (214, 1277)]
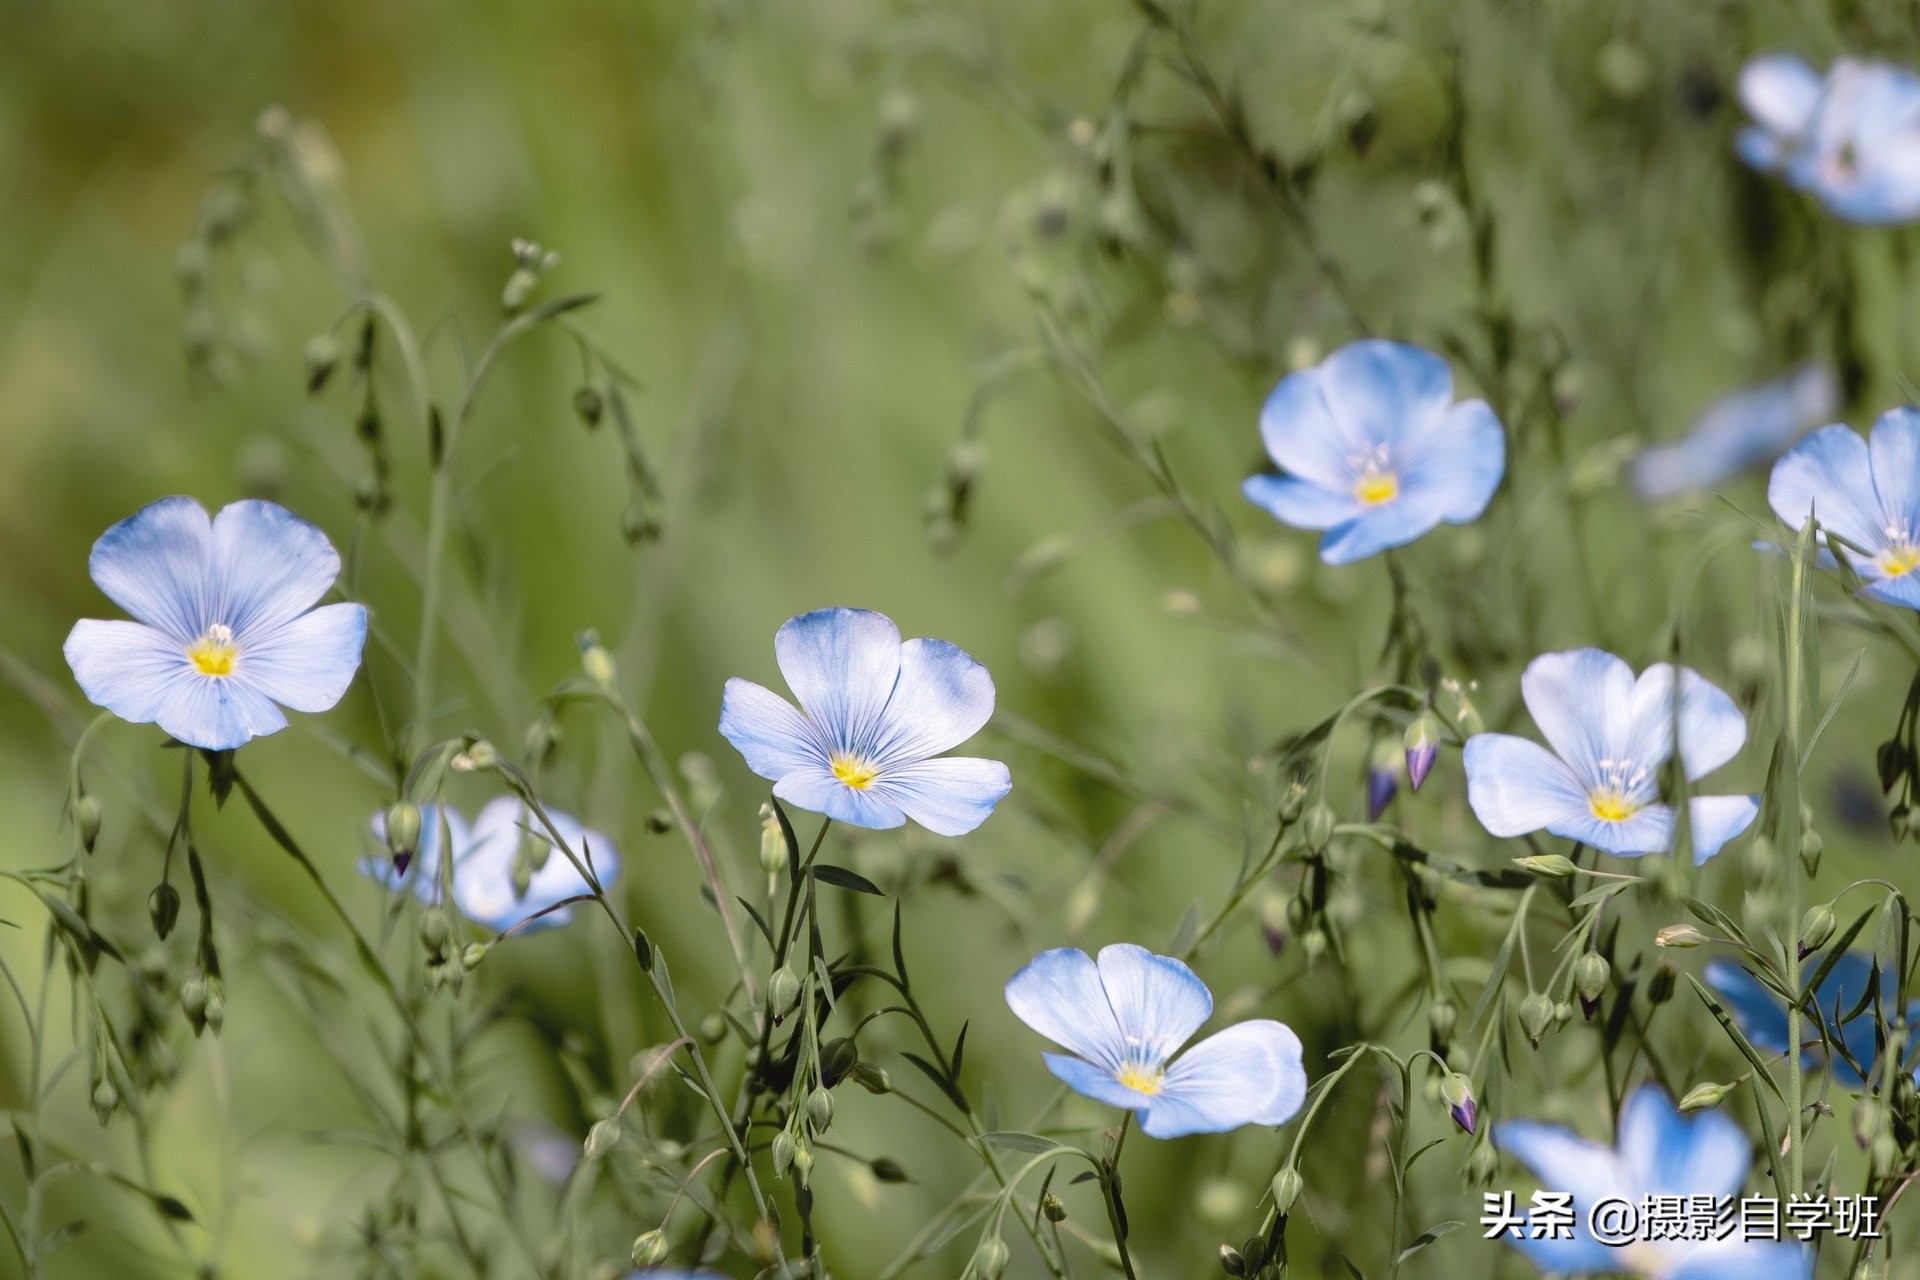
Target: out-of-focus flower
[(1375, 450), (1610, 734), (875, 715), (1761, 1015), (1851, 140), (1658, 1152), (1124, 1017), (506, 846), (1739, 431), (226, 633), (1864, 491)]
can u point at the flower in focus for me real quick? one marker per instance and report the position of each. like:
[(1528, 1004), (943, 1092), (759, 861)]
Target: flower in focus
[(1866, 492), (1738, 431), (875, 714), (505, 844), (225, 633), (1375, 450), (1846, 1012), (1658, 1152), (1610, 734), (1851, 140), (1123, 1018)]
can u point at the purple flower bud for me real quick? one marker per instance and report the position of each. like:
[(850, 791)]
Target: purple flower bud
[(1381, 786), (1423, 747), (1457, 1092)]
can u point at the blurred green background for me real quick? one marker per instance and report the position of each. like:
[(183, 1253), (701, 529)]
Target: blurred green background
[(823, 235)]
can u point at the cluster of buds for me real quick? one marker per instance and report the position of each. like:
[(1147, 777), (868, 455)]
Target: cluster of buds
[(530, 262), (203, 1002)]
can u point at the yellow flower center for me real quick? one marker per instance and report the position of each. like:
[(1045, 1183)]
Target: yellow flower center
[(213, 654), (1376, 487), (1611, 806), (1900, 559), (858, 774), (1147, 1080)]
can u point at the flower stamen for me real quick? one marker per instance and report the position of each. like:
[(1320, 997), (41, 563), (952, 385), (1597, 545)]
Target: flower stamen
[(856, 773), (1141, 1078), (213, 654), (1609, 805), (1377, 487)]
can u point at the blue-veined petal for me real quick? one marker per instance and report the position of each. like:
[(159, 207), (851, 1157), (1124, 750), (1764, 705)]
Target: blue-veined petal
[(764, 728), (1456, 463), (1714, 820), (483, 886), (942, 698), (1828, 474), (1710, 728), (1580, 1255), (1735, 1259), (1301, 503), (1582, 700), (129, 668), (841, 664), (1158, 1002), (1391, 524), (1095, 1082), (308, 662), (1385, 392), (1562, 1160), (1780, 92), (154, 564), (1303, 436), (1667, 1153), (1903, 590), (1059, 994), (1249, 1073), (1517, 787), (949, 796), (268, 567), (1894, 450), (815, 789), (217, 713), (1649, 830)]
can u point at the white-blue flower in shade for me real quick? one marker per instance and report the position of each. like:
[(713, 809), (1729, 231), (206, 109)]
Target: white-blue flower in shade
[(1738, 431), (1850, 139), (1122, 1020), (1849, 1013), (1865, 492), (875, 714), (483, 863), (1658, 1152), (226, 633), (1610, 734), (1375, 450)]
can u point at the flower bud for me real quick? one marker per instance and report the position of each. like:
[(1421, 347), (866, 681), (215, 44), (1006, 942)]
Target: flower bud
[(820, 1110), (1457, 1092), (1293, 803), (1891, 763), (193, 1001), (1318, 829), (434, 931), (782, 1153), (1313, 943), (887, 1169), (87, 813), (1231, 1261), (1548, 866), (596, 661), (1810, 845), (1383, 779), (659, 821), (403, 833), (1660, 985), (106, 1099), (650, 1249), (1703, 1096), (1483, 1166), (588, 405), (320, 355), (1816, 926), (1286, 1189), (1052, 1208), (216, 1011), (477, 758), (713, 1028), (783, 992), (1590, 974), (602, 1138), (802, 1163), (773, 842), (518, 289), (1536, 1013), (1679, 937), (472, 954), (163, 906), (837, 1058), (1869, 1120), (871, 1078), (990, 1259), (1422, 746), (1441, 1016)]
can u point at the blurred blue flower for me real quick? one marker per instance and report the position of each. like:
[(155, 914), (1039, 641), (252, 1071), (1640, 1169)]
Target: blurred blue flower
[(1852, 140), (875, 715), (1610, 734), (1846, 1010), (1375, 450), (1738, 431), (1658, 1152), (484, 863), (226, 625), (1865, 492), (1123, 1019)]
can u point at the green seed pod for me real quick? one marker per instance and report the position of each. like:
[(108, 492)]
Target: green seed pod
[(1317, 828), (713, 1028), (802, 1163), (472, 954), (871, 1078), (1483, 1166), (193, 1000), (87, 814), (650, 1249), (216, 1012)]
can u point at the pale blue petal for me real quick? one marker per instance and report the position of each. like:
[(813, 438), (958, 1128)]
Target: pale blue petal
[(1780, 92), (1517, 787), (1739, 431), (1744, 1260), (764, 728), (1760, 149), (1828, 474), (942, 698), (1305, 439), (1894, 450), (1711, 728), (217, 713), (1649, 830), (1059, 994), (1456, 464), (1301, 503), (1667, 1153), (1385, 392), (949, 796), (1864, 160), (841, 664), (1158, 1002), (307, 663), (155, 565), (1095, 1082), (1903, 590), (1582, 700), (1581, 1255), (1249, 1073), (129, 668), (483, 878), (269, 566), (1391, 524), (815, 789), (1714, 820), (1562, 1160)]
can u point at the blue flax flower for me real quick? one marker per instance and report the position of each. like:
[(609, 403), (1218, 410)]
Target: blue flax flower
[(484, 863), (1738, 431), (1659, 1152), (1866, 492), (1846, 1010), (1375, 450), (1851, 139), (875, 714), (226, 633), (1610, 734), (1124, 1017)]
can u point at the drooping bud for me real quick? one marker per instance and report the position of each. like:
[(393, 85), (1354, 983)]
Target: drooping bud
[(783, 992), (1816, 926), (477, 758), (403, 834), (1293, 802), (1457, 1092), (1318, 827), (1548, 866), (1286, 1189), (713, 1028), (1679, 937), (990, 1259), (1590, 974), (650, 1249), (320, 355), (1273, 921), (820, 1110), (773, 842), (1232, 1261), (1441, 1016), (838, 1057), (887, 1169), (106, 1099), (1660, 986), (1483, 1166), (602, 1138), (1314, 944), (1703, 1096), (782, 1153), (519, 288), (1869, 1120), (595, 660), (163, 907), (871, 1078), (588, 405), (1536, 1013), (802, 1163), (1891, 763), (193, 1001), (1052, 1208), (1383, 779), (472, 954), (1422, 745), (216, 1011), (434, 931), (1810, 846), (87, 814)]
